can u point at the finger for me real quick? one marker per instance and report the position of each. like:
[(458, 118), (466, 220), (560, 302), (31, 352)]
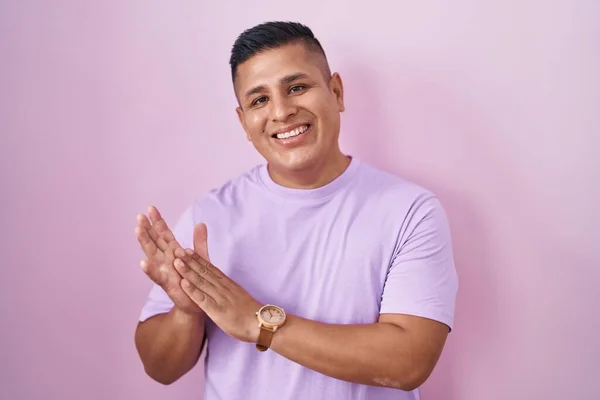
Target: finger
[(209, 266), (201, 240), (161, 226), (203, 300), (148, 246), (198, 281), (157, 275), (200, 265), (144, 223)]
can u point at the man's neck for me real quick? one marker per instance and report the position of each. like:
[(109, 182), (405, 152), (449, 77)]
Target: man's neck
[(318, 175)]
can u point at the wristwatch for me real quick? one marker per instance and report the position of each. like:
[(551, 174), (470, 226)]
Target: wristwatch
[(270, 318)]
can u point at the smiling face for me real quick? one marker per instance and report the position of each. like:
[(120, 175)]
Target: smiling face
[(289, 109)]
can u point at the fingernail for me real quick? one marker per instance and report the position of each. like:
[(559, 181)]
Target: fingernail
[(189, 251), (178, 263)]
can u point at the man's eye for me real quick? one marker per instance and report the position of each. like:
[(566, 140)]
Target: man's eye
[(258, 101), (297, 88)]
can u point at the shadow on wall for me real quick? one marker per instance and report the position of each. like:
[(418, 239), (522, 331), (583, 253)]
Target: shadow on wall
[(363, 134)]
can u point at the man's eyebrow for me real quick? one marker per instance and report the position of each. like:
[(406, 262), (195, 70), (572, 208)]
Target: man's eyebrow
[(292, 78), (255, 90), (284, 81)]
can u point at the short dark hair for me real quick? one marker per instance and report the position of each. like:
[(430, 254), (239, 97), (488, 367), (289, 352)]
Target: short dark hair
[(271, 35)]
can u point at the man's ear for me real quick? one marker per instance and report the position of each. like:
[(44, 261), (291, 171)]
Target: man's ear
[(337, 87), (240, 114)]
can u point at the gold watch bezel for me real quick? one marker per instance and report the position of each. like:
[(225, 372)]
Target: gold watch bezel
[(265, 324)]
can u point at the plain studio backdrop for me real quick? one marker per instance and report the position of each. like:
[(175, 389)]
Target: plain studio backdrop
[(107, 107)]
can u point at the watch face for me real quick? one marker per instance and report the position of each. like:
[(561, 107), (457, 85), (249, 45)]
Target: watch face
[(272, 315)]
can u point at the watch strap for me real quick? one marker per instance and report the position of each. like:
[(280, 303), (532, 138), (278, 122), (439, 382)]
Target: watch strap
[(265, 336)]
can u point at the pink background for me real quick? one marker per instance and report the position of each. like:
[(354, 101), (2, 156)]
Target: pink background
[(109, 107)]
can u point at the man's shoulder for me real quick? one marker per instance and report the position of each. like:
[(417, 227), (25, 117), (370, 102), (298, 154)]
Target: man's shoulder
[(232, 191), (385, 185)]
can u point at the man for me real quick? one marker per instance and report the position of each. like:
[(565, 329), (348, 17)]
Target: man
[(313, 276)]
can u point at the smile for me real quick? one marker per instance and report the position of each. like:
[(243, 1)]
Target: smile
[(292, 133)]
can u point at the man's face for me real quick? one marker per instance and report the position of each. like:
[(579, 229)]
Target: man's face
[(288, 108)]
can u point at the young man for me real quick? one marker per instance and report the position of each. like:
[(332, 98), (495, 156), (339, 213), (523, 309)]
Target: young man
[(313, 276)]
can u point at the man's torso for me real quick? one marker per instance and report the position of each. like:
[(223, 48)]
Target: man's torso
[(323, 258)]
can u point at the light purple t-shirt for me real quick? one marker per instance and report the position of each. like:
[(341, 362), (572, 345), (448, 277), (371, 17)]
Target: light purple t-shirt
[(367, 243)]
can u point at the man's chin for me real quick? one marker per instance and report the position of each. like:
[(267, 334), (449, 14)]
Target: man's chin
[(298, 163)]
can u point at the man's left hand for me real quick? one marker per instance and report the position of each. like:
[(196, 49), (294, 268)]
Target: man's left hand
[(225, 302)]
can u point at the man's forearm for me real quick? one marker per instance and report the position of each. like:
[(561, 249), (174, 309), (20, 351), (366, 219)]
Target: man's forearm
[(170, 344), (377, 354)]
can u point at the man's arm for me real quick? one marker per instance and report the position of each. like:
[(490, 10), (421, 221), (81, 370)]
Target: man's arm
[(170, 344), (400, 351), (169, 340)]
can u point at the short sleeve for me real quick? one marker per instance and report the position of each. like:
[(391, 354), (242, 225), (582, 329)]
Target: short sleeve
[(422, 278), (158, 302)]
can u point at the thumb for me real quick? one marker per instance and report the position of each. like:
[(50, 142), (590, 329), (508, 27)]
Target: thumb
[(201, 241)]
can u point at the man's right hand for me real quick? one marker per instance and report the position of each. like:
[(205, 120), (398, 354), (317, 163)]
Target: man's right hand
[(158, 244)]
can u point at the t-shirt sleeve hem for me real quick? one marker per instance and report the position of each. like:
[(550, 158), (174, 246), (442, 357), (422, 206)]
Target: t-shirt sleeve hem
[(435, 315), (148, 313)]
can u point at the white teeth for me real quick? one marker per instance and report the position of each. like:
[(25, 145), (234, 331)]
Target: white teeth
[(293, 132)]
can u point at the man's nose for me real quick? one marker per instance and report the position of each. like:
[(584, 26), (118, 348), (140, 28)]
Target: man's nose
[(283, 109)]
